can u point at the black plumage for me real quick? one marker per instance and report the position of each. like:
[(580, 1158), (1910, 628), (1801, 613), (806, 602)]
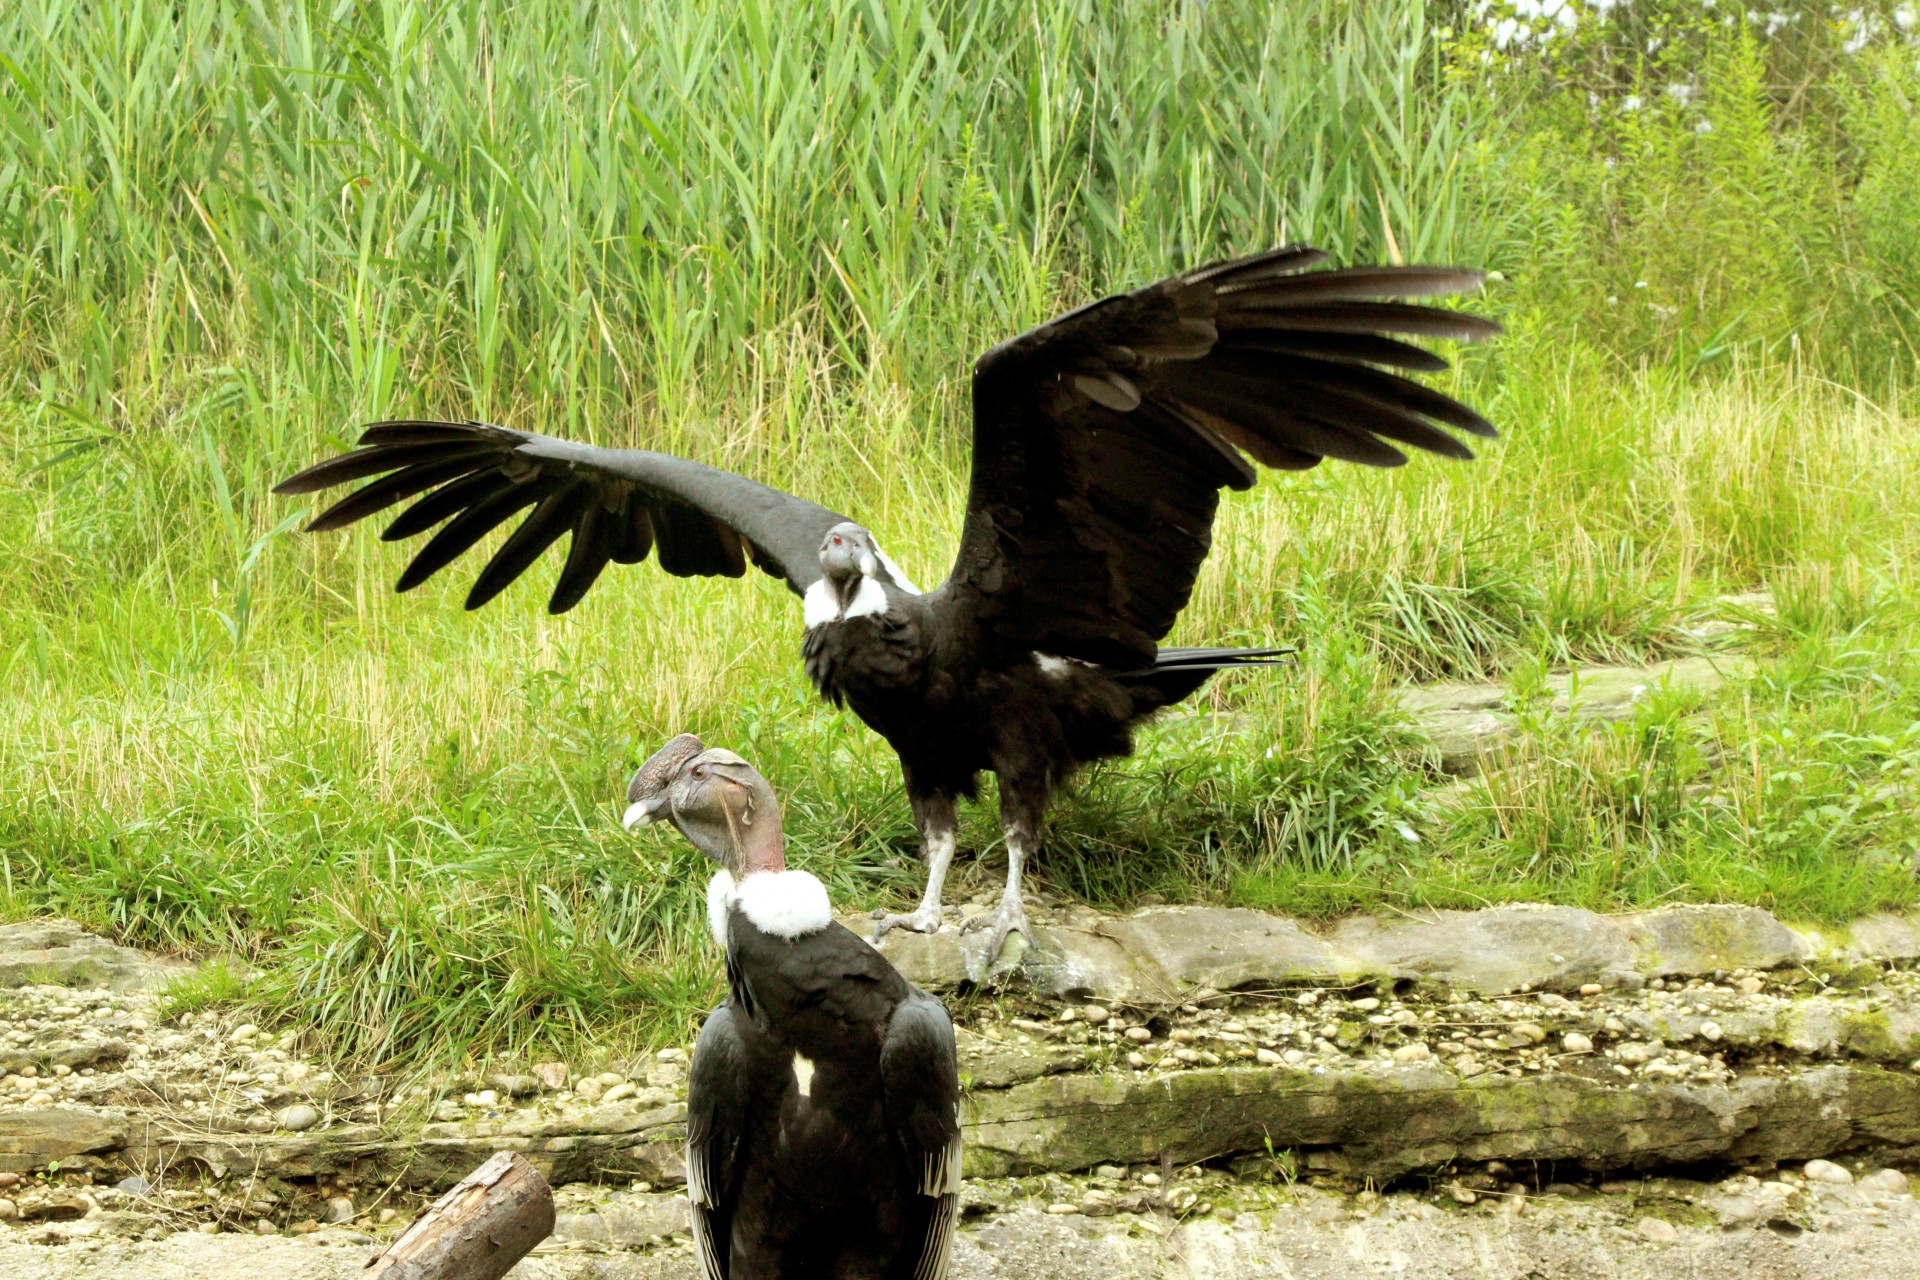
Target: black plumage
[(823, 1131), (1102, 440)]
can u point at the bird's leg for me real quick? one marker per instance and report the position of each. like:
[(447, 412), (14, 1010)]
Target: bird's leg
[(937, 822), (1010, 916)]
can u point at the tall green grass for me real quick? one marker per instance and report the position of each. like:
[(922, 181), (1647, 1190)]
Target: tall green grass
[(774, 239)]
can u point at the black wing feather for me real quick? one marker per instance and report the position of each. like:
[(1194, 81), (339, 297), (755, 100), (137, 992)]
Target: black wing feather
[(397, 486), (920, 1076), (620, 505), (717, 1102), (1102, 438)]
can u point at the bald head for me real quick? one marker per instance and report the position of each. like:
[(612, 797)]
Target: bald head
[(718, 801)]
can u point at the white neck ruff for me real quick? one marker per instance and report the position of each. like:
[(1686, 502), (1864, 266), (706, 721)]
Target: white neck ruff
[(785, 904), (819, 606)]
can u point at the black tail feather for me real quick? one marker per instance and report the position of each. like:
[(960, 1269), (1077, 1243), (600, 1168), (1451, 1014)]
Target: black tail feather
[(1177, 674)]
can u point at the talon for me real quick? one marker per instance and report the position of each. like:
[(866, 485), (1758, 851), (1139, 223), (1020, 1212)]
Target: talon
[(1010, 918), (925, 920)]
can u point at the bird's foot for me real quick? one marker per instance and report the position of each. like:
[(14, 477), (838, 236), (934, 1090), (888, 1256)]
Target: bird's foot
[(924, 920), (1009, 918)]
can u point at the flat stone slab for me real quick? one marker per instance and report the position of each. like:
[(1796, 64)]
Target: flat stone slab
[(1386, 1122), (1163, 955), (73, 1138), (62, 953), (1464, 723), (1368, 1119)]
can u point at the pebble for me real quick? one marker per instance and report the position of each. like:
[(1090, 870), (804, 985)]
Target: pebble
[(1633, 1054), (1063, 1209), (589, 1090), (1308, 999), (265, 1228), (1112, 1171), (1574, 1042), (1891, 1181), (1183, 1036), (1367, 1004), (1828, 1171), (1591, 988), (551, 1074), (1186, 1055), (245, 1032), (1415, 1052), (134, 1186), (610, 1078), (618, 1092), (339, 1209), (1093, 1015), (1711, 1030), (8, 1210), (1462, 1195), (1137, 1061), (297, 1117), (1139, 1035), (1657, 1230), (1530, 1031), (1267, 1056), (1750, 986), (514, 1086), (1225, 1213), (1150, 1179)]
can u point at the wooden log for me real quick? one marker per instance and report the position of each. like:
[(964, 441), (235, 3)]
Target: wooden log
[(478, 1230)]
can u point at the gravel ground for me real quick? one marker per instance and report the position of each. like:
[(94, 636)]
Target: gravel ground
[(1737, 1230)]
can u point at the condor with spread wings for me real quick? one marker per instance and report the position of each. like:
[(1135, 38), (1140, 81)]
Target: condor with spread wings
[(1102, 440)]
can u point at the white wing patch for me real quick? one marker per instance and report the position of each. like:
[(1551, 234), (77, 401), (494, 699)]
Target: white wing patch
[(785, 904), (719, 902), (700, 1197), (803, 1074), (900, 579), (937, 1252), (1054, 667)]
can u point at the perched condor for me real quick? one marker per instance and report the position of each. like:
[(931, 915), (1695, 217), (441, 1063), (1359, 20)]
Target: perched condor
[(823, 1112), (1101, 441)]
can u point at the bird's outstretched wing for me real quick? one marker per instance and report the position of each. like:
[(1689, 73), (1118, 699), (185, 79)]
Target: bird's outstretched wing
[(716, 1117), (1102, 439), (921, 1080), (619, 505)]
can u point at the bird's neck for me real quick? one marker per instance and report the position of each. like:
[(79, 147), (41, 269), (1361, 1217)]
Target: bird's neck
[(837, 599), (761, 848)]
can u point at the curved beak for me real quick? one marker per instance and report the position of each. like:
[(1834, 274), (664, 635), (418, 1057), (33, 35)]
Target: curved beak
[(641, 812)]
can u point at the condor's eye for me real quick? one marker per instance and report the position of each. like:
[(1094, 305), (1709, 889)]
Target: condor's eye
[(836, 539), (699, 772)]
